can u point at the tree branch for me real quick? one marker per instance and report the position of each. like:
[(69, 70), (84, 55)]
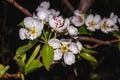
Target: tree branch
[(16, 75), (25, 11), (97, 41), (85, 5), (69, 5)]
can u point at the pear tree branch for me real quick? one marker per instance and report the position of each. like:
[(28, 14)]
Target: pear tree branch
[(84, 5), (97, 41), (68, 4), (22, 9)]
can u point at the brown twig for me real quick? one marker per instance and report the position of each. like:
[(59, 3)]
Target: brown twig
[(16, 75), (25, 11), (69, 5), (97, 41), (85, 5)]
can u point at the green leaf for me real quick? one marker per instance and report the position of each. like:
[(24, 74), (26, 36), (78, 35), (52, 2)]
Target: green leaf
[(88, 57), (1, 67), (83, 30), (22, 77), (24, 48), (85, 50), (20, 60), (3, 71), (47, 56), (21, 24), (34, 65), (119, 46), (34, 54)]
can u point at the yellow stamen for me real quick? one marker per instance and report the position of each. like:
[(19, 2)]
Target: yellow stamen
[(92, 24), (80, 19), (32, 31), (104, 25), (64, 48)]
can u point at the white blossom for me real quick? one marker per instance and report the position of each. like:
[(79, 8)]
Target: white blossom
[(43, 14), (72, 31), (92, 22), (54, 12), (33, 29), (113, 17), (44, 5), (78, 19), (58, 24), (23, 33), (66, 50), (69, 58), (108, 25)]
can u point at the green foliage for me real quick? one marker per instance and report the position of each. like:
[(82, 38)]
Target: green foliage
[(21, 24), (24, 48), (86, 50), (33, 64), (88, 57), (83, 30), (34, 54), (3, 70), (20, 60), (47, 56), (1, 67)]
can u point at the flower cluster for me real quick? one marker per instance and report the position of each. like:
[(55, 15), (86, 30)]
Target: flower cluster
[(64, 48)]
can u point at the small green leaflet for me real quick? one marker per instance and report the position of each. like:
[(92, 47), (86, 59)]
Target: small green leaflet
[(1, 67), (88, 57), (21, 24), (33, 66), (20, 60), (47, 56), (85, 50), (83, 30), (24, 48), (3, 71), (32, 57)]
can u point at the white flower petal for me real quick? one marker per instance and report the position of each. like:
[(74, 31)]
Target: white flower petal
[(29, 22), (78, 20), (74, 48), (72, 31), (65, 41), (113, 17), (56, 23), (55, 43), (43, 14), (23, 33), (69, 58), (57, 54), (88, 19), (79, 45), (54, 13), (45, 4), (97, 18), (67, 23), (77, 12)]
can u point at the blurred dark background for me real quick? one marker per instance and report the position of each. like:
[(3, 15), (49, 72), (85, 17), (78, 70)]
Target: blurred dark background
[(10, 17)]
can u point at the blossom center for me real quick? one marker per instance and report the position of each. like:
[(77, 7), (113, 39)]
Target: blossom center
[(64, 48), (104, 25), (80, 19), (92, 24), (32, 31)]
